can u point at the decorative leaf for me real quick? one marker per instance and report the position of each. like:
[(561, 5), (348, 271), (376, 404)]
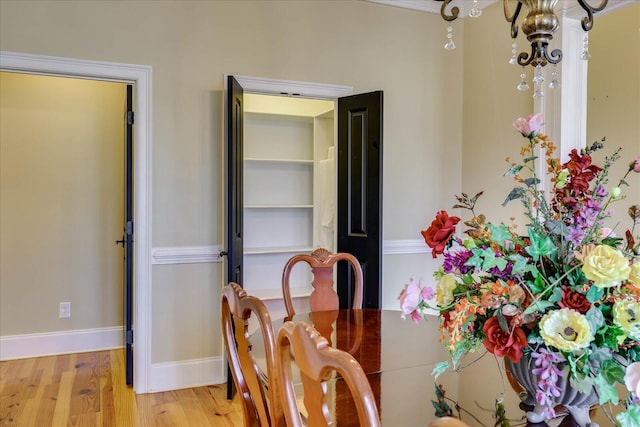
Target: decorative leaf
[(612, 372), (631, 417), (614, 242), (531, 182), (519, 264), (499, 234), (439, 369), (538, 284), (475, 260), (556, 295), (490, 260), (540, 246), (583, 385), (516, 193), (540, 306), (594, 294), (557, 227), (606, 391), (595, 318), (513, 170), (502, 321)]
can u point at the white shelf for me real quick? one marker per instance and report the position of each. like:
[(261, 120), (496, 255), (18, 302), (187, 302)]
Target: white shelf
[(277, 250), (282, 154), (278, 161), (280, 206)]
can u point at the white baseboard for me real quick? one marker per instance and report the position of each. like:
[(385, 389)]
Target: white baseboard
[(187, 373), (50, 343)]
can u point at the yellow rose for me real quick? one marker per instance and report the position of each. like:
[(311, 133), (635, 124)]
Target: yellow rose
[(444, 290), (565, 329), (626, 314), (605, 266), (634, 274)]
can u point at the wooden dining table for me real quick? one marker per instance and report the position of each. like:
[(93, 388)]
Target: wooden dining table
[(398, 357)]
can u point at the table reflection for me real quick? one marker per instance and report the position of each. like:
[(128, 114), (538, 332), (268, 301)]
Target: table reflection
[(398, 357)]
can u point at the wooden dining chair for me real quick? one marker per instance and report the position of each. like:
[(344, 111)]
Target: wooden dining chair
[(323, 297), (448, 422), (259, 396), (317, 362)]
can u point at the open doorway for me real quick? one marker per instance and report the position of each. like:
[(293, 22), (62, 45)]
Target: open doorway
[(62, 196), (140, 77)]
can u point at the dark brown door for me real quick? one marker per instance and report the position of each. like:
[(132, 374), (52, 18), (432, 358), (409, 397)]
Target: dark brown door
[(360, 194)]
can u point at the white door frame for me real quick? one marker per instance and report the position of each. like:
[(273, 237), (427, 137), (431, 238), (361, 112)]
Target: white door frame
[(140, 76)]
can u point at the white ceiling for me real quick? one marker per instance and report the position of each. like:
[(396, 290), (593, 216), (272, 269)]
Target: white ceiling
[(570, 8)]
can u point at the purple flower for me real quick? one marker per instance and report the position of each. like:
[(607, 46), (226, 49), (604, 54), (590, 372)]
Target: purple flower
[(548, 374)]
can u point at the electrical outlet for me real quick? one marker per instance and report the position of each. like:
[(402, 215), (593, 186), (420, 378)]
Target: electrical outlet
[(65, 310)]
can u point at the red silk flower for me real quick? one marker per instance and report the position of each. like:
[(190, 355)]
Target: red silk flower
[(439, 232), (502, 343)]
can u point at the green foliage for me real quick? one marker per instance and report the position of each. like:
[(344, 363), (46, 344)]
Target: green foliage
[(630, 418), (440, 405), (540, 245)]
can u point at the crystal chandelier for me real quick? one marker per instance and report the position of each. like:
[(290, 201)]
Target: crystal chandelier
[(539, 26)]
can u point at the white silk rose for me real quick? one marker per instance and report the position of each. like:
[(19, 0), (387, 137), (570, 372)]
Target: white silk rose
[(632, 378), (606, 266)]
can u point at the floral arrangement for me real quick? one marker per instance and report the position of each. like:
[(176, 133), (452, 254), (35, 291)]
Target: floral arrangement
[(566, 295)]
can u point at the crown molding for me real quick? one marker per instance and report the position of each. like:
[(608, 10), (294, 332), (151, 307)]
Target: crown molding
[(429, 6)]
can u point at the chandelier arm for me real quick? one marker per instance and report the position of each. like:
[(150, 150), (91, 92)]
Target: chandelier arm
[(512, 18), (525, 59), (554, 57), (587, 21), (540, 55), (454, 11)]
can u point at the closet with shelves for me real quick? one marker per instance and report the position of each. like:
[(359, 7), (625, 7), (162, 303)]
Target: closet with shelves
[(289, 198)]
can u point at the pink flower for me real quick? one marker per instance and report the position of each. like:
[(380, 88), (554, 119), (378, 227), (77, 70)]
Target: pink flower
[(409, 298), (530, 125), (635, 165), (412, 296)]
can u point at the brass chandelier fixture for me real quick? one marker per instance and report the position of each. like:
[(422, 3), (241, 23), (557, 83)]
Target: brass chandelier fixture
[(539, 26)]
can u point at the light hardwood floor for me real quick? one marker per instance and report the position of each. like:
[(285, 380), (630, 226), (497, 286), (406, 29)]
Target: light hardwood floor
[(88, 389)]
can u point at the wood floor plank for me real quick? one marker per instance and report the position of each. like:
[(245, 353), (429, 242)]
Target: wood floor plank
[(88, 389), (63, 399), (47, 404), (85, 393)]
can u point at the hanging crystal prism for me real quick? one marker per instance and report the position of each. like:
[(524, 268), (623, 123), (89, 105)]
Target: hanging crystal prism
[(538, 77), (538, 92), (585, 47), (450, 45), (538, 80), (523, 85), (514, 52), (554, 83), (475, 10)]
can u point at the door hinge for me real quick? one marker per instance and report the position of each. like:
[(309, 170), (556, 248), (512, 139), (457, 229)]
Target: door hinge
[(129, 337), (129, 117), (129, 228)]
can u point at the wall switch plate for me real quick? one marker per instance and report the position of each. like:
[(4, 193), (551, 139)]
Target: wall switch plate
[(65, 310)]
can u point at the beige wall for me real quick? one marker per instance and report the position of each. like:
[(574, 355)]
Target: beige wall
[(191, 45), (491, 104), (613, 108), (61, 203)]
